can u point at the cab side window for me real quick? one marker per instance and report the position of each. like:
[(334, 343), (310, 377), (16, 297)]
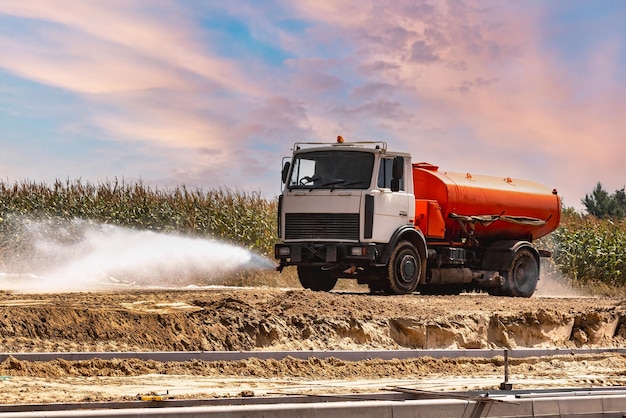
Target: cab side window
[(385, 174)]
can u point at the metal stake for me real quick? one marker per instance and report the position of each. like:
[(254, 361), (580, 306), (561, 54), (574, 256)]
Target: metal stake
[(506, 385)]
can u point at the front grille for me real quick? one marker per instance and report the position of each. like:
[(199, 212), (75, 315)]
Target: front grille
[(343, 226)]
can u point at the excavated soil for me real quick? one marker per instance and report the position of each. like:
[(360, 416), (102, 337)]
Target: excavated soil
[(275, 319)]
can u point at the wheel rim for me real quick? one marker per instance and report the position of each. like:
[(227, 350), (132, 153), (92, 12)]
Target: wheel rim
[(408, 268), (524, 274)]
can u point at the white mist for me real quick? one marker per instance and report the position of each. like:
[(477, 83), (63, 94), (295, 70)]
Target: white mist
[(85, 256)]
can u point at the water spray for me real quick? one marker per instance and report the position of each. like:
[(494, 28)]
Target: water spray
[(79, 255)]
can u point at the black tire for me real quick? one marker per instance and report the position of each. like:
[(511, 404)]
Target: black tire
[(379, 286), (442, 289), (404, 269), (316, 279), (521, 280)]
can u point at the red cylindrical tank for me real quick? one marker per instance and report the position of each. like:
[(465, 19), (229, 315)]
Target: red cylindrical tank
[(494, 208)]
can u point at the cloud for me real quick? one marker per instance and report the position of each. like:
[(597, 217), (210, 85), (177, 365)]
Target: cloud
[(143, 73), (470, 85), (116, 45), (483, 88), (278, 117), (423, 53)]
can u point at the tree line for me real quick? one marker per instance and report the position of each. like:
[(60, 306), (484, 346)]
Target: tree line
[(603, 205)]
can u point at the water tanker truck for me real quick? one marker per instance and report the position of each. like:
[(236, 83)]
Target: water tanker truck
[(358, 210)]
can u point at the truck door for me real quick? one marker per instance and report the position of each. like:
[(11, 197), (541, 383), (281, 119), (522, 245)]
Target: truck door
[(392, 208)]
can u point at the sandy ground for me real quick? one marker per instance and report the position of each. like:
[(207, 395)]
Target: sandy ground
[(276, 319)]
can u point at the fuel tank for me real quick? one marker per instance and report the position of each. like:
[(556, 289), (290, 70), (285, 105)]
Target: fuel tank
[(484, 208)]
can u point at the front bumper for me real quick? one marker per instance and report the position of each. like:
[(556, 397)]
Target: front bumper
[(325, 254)]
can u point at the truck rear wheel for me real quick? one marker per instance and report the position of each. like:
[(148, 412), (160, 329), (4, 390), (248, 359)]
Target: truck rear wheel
[(405, 268), (521, 280), (317, 279)]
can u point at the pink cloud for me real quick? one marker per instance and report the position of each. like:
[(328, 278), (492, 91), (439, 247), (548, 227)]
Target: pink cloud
[(133, 37), (485, 91), (146, 74), (469, 85)]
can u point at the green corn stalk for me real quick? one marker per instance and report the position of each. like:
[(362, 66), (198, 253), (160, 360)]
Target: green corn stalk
[(245, 219), (589, 250)]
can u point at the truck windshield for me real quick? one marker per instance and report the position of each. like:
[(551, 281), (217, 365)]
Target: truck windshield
[(332, 170)]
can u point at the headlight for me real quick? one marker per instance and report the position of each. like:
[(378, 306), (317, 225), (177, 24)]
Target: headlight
[(358, 251), (284, 251)]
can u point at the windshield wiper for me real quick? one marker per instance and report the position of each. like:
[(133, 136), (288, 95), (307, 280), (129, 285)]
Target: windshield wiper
[(356, 183), (341, 183), (328, 183)]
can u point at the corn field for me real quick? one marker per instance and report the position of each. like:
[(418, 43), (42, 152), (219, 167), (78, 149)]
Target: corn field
[(585, 249), (589, 250), (231, 216)]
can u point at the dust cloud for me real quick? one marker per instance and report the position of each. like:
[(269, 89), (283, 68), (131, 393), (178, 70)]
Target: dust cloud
[(553, 283), (79, 255)]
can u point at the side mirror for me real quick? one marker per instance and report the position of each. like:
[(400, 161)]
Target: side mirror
[(285, 171), (397, 173), (398, 168)]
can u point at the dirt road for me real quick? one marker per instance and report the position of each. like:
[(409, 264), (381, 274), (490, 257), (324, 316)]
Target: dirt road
[(274, 319)]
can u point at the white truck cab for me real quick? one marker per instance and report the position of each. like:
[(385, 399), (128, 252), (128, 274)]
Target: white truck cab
[(343, 211)]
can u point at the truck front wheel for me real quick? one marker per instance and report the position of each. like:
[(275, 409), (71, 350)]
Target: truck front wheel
[(317, 279), (521, 280), (405, 268)]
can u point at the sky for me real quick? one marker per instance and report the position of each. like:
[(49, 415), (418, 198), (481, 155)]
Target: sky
[(213, 94)]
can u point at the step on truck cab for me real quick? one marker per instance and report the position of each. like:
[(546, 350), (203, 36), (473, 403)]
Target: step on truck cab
[(358, 210)]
